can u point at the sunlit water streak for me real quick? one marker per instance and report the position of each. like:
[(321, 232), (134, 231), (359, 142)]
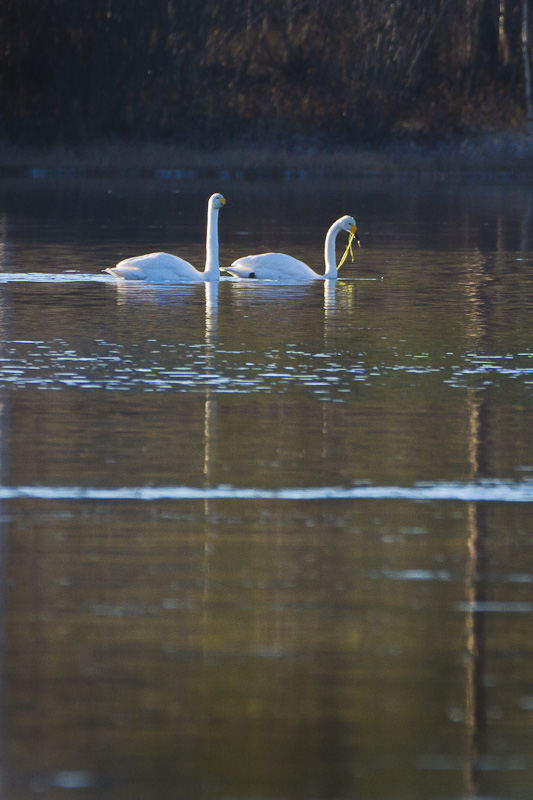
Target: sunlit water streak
[(483, 491), (55, 277), (74, 276), (59, 364)]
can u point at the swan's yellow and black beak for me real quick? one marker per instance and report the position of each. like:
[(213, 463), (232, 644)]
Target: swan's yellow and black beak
[(225, 202), (354, 235)]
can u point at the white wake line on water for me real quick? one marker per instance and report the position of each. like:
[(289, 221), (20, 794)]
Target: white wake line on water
[(56, 277), (495, 491), (100, 277)]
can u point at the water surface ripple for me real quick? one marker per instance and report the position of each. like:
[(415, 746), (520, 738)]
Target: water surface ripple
[(58, 363), (267, 541)]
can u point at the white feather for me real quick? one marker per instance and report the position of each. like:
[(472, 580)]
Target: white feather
[(166, 268), (283, 268)]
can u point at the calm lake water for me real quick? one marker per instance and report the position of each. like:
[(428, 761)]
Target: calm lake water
[(267, 542)]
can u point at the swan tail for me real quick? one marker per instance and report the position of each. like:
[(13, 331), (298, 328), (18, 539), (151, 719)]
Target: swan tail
[(240, 272), (250, 266), (126, 273)]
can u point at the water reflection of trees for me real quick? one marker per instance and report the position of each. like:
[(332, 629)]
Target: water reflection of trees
[(478, 316), (476, 703), (256, 645)]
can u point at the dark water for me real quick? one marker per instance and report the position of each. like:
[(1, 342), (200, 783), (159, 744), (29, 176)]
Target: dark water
[(267, 542)]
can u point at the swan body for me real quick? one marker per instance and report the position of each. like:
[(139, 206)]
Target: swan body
[(166, 268), (283, 268)]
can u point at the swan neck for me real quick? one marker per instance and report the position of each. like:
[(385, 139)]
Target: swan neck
[(212, 267), (330, 254)]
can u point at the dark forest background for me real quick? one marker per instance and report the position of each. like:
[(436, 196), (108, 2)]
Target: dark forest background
[(289, 72)]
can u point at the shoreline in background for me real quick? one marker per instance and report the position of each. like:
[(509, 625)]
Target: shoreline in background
[(505, 154)]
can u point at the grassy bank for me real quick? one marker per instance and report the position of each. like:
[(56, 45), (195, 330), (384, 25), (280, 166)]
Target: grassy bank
[(494, 153)]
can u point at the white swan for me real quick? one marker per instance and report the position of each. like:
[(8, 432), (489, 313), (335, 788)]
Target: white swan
[(283, 268), (166, 268)]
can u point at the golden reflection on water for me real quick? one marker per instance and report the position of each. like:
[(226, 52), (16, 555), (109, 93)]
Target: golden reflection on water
[(175, 644), (270, 648)]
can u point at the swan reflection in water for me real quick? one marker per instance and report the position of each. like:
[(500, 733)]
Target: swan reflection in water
[(130, 293)]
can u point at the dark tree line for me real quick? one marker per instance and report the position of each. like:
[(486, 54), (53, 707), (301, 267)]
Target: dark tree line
[(208, 71)]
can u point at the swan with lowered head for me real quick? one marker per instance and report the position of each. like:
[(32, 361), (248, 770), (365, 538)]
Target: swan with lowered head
[(166, 268), (281, 267)]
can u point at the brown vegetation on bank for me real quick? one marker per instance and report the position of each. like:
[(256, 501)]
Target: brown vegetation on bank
[(238, 83)]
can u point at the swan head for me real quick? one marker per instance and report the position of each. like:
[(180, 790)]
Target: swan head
[(218, 200), (349, 224)]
